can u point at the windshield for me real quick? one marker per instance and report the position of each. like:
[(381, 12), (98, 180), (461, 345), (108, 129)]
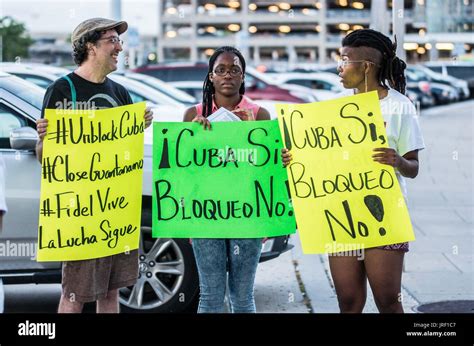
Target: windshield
[(430, 73), (26, 91), (461, 72), (416, 75)]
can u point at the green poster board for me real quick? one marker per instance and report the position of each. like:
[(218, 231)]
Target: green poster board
[(228, 182)]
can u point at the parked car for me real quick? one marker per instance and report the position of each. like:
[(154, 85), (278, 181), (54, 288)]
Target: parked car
[(195, 89), (442, 93), (164, 107), (155, 83), (256, 87), (302, 92), (37, 76), (419, 91), (329, 68), (162, 87), (30, 66), (457, 69), (461, 86), (324, 85), (175, 269), (419, 97)]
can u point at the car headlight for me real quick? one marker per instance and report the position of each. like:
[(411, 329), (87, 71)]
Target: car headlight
[(268, 245)]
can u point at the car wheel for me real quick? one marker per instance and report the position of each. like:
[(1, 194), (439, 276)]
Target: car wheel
[(167, 279)]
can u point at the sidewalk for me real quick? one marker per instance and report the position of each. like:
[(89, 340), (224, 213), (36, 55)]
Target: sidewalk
[(276, 287), (440, 264)]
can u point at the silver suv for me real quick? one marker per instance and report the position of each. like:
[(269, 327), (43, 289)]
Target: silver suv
[(173, 285)]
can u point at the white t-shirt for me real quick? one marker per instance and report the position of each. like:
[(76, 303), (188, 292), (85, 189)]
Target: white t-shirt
[(401, 123), (3, 204)]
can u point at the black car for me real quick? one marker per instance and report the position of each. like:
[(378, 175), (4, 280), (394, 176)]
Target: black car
[(457, 69), (442, 93)]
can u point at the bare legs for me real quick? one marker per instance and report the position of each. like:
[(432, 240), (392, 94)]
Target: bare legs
[(67, 305), (108, 304), (382, 268)]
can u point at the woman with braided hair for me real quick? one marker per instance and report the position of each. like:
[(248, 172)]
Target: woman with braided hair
[(224, 87), (369, 62)]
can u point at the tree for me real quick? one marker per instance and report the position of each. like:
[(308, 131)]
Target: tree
[(14, 39)]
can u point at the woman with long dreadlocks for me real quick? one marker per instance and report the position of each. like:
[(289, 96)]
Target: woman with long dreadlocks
[(368, 62), (224, 87)]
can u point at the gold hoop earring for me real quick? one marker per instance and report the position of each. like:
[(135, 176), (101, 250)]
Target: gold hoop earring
[(365, 78)]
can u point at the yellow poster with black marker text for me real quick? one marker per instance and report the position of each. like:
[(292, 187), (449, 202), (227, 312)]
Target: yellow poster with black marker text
[(91, 183), (343, 200)]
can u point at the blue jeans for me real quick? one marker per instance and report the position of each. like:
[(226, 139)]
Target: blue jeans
[(213, 258)]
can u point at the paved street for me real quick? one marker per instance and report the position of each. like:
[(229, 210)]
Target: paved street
[(440, 266)]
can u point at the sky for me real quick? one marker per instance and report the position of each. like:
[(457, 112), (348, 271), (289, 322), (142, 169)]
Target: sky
[(62, 16)]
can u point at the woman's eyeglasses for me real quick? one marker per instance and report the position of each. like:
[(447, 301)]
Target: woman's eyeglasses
[(222, 71), (344, 63)]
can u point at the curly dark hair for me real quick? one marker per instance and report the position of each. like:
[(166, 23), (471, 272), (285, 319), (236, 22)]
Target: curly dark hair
[(79, 53)]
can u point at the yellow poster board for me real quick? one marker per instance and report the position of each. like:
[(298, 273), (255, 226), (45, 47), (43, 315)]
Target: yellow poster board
[(343, 200), (91, 183)]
